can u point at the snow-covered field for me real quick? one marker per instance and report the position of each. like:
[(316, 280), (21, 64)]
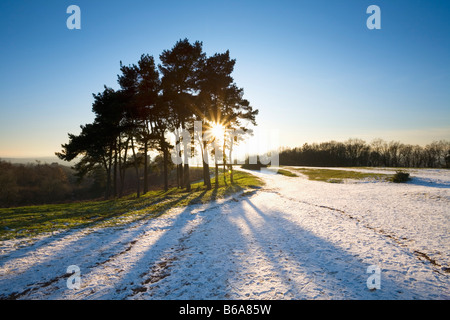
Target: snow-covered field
[(292, 239)]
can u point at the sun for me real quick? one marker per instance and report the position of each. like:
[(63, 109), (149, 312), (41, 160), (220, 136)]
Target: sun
[(217, 130)]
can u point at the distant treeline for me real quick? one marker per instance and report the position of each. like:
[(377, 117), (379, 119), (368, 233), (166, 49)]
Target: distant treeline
[(378, 153), (37, 183)]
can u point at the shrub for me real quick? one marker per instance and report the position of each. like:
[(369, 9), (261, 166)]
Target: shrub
[(400, 176), (256, 166), (253, 166)]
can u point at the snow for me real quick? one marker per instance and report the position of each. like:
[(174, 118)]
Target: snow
[(291, 239)]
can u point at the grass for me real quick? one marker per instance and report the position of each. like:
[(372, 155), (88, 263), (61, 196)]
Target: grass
[(286, 173), (338, 176), (34, 220)]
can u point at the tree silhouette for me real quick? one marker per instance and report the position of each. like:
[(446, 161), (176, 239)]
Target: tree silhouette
[(132, 121), (221, 103), (240, 115), (147, 100), (215, 77), (180, 69), (152, 102), (96, 143)]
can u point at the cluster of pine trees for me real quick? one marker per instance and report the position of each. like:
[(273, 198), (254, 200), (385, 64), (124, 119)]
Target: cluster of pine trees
[(378, 153), (153, 103)]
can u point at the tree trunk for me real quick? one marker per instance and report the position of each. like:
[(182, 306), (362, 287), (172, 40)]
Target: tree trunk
[(115, 169), (123, 167), (217, 176), (187, 179), (231, 165), (165, 163), (179, 167), (108, 176), (110, 167), (224, 160), (136, 167), (178, 176), (145, 167), (108, 182), (206, 177)]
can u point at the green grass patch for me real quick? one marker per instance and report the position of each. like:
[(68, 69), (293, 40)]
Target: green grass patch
[(33, 220), (338, 176), (286, 173)]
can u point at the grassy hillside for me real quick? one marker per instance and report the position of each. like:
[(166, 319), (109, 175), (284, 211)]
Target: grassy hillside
[(34, 220), (338, 176)]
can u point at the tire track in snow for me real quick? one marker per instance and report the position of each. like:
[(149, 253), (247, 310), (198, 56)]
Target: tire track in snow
[(444, 270), (162, 268), (92, 261)]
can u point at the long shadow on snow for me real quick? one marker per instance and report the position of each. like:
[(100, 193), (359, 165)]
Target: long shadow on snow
[(341, 274), (428, 183), (154, 264), (45, 270), (287, 260)]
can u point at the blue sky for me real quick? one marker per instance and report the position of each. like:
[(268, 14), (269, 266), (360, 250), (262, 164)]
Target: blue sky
[(312, 68)]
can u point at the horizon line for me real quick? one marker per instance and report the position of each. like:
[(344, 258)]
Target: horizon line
[(280, 147)]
